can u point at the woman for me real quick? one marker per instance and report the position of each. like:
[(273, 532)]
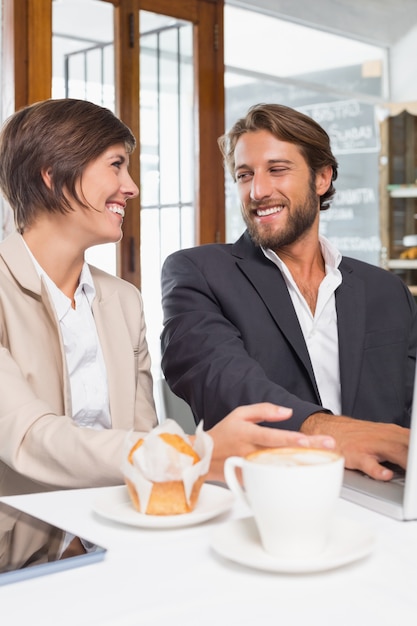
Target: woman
[(74, 365)]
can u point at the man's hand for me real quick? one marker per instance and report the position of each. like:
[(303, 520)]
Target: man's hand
[(365, 445), (239, 433)]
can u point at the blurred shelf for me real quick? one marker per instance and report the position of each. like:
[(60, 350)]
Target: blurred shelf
[(402, 264), (398, 197), (402, 191), (409, 240)]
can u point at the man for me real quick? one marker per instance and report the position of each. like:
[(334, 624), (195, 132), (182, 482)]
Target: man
[(280, 316)]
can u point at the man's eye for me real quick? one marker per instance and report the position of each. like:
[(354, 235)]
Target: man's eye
[(242, 176)]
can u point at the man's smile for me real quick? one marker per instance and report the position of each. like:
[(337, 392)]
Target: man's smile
[(269, 211)]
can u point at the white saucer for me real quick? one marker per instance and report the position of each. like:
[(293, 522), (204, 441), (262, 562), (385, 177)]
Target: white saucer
[(114, 504), (239, 541)]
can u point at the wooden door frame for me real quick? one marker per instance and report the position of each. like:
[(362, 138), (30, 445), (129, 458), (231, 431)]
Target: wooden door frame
[(27, 53), (27, 78), (207, 19)]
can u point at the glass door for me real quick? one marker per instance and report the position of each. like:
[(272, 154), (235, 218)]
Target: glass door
[(166, 155), (163, 76), (83, 68)]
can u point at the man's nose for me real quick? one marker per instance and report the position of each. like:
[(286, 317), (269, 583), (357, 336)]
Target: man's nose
[(261, 186)]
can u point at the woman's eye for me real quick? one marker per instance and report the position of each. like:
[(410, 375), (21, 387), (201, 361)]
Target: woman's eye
[(117, 164)]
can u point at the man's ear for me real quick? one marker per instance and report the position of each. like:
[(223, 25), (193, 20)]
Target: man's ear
[(323, 180), (47, 177)]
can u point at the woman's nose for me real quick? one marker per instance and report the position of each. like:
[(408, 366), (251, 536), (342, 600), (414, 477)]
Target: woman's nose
[(129, 187)]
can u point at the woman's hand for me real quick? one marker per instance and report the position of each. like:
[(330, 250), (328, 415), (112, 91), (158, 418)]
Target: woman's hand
[(239, 433)]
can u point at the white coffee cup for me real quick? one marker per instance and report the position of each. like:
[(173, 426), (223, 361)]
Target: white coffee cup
[(292, 493)]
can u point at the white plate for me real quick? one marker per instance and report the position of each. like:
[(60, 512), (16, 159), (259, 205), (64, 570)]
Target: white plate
[(115, 504), (239, 541)]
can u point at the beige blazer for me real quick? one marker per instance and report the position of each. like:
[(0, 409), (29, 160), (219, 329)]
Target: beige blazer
[(40, 447)]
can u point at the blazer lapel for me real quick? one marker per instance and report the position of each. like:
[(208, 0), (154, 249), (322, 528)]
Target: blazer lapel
[(266, 278), (118, 356), (15, 255), (114, 336), (350, 308)]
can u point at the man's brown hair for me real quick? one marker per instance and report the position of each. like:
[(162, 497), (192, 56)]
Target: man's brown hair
[(286, 124)]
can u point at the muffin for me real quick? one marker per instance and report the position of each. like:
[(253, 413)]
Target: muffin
[(165, 470)]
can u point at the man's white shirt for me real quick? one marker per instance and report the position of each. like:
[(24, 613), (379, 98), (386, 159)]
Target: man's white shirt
[(320, 329)]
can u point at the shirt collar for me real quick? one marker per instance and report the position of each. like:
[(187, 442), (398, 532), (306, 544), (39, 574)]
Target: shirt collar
[(87, 283), (60, 300), (332, 256)]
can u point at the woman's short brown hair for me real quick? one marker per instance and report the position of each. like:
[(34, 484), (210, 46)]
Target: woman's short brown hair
[(59, 137), (289, 125)]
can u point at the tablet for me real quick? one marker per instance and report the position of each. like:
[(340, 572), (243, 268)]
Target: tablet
[(31, 547)]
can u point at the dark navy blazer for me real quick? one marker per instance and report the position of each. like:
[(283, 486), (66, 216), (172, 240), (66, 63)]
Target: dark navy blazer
[(231, 337)]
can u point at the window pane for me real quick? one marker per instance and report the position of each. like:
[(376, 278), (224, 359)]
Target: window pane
[(83, 67), (339, 83), (167, 156), (326, 59)]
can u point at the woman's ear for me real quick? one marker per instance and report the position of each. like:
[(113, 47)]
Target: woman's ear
[(47, 177)]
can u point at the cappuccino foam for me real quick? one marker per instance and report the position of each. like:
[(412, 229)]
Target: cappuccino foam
[(292, 457)]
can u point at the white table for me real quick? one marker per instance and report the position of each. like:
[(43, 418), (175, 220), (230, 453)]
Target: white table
[(173, 577)]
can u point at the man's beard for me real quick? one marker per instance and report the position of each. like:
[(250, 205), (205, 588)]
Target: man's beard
[(299, 221)]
